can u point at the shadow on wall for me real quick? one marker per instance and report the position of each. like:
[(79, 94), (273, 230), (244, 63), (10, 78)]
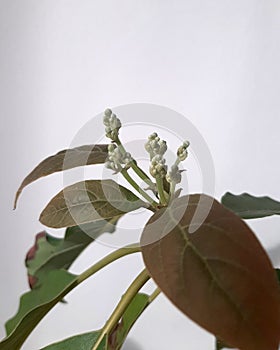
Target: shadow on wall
[(130, 344)]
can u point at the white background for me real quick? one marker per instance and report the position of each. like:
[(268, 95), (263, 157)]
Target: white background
[(64, 61)]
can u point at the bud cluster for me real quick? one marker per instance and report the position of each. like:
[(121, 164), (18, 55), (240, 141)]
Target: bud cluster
[(158, 166), (155, 146), (112, 124), (117, 160)]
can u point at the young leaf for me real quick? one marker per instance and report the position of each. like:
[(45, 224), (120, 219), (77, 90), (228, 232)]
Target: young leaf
[(34, 305), (89, 201), (50, 253), (115, 340), (250, 207), (64, 160), (84, 341), (219, 275)]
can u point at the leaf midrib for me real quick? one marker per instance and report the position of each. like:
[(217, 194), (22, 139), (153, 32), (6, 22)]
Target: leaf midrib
[(103, 201), (55, 255), (205, 264)]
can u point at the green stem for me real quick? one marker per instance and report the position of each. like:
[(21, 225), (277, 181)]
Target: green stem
[(126, 299), (120, 145), (172, 191), (138, 188), (129, 249), (177, 161), (153, 296), (161, 190), (141, 173), (173, 184)]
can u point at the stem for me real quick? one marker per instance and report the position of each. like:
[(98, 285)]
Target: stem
[(141, 173), (172, 191), (121, 147), (138, 188), (153, 296), (177, 161), (161, 190), (126, 299), (173, 184), (129, 249)]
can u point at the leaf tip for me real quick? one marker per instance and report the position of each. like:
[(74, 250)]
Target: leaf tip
[(16, 199)]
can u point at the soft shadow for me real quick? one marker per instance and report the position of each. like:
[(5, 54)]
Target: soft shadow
[(131, 344)]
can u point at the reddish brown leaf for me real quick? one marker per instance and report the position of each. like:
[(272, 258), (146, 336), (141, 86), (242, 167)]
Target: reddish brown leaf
[(64, 160), (89, 201), (219, 276)]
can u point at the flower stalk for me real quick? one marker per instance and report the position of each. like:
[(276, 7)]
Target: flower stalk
[(134, 184)]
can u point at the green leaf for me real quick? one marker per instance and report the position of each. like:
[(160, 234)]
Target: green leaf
[(134, 310), (89, 201), (50, 253), (250, 207), (64, 160), (34, 305), (79, 342), (115, 340), (219, 275)]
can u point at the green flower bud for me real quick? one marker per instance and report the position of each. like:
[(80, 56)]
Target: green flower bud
[(108, 112), (117, 160), (155, 145), (112, 124), (158, 166), (182, 152)]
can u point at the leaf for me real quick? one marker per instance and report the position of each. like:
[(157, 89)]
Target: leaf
[(64, 160), (219, 276), (89, 201), (134, 310), (79, 342), (115, 340), (250, 207), (50, 253), (34, 305)]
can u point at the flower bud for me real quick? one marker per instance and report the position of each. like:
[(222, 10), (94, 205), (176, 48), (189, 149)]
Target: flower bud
[(116, 159), (158, 166), (155, 145), (182, 152), (112, 124), (107, 112)]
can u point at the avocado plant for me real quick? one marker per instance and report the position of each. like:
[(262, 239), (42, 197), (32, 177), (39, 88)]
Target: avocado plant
[(199, 251)]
